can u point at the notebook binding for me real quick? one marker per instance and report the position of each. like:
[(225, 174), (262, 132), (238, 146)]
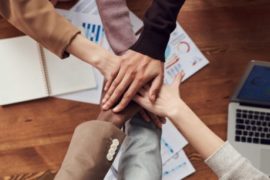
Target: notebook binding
[(45, 69)]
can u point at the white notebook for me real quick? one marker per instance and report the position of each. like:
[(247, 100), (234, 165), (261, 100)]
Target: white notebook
[(29, 72)]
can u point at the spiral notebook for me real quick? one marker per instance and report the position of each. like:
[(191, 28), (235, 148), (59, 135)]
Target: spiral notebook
[(28, 72)]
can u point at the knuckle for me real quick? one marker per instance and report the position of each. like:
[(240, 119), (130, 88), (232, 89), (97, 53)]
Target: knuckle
[(128, 96), (117, 92), (140, 78)]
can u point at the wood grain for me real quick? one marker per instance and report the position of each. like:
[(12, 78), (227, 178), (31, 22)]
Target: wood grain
[(34, 136)]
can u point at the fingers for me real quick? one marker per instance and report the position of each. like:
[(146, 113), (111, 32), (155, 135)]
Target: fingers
[(178, 79), (155, 88), (108, 84), (145, 115), (117, 92), (112, 85), (128, 96)]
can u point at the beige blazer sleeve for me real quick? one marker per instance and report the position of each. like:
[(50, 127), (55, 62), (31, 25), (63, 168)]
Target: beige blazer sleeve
[(38, 19), (91, 152)]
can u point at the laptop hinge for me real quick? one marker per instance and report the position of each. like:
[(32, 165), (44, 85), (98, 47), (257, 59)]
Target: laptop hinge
[(255, 105)]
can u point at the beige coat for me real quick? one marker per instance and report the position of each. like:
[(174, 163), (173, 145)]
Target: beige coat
[(38, 19)]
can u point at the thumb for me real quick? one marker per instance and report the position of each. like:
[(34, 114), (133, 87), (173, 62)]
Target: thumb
[(178, 79)]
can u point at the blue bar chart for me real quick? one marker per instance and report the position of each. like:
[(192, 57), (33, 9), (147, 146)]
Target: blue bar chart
[(94, 32)]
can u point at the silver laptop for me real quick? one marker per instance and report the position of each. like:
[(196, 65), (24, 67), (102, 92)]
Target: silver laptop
[(249, 116)]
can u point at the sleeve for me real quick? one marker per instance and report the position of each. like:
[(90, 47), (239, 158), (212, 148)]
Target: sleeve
[(115, 14), (141, 157), (91, 152), (227, 163), (39, 20), (159, 22)]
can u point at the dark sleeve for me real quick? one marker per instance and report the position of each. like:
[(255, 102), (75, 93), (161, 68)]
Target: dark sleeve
[(159, 22)]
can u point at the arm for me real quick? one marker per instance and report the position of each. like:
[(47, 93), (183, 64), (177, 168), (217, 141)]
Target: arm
[(38, 19), (205, 141), (91, 152)]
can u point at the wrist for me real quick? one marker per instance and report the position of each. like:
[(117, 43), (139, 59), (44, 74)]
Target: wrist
[(85, 50), (180, 112)]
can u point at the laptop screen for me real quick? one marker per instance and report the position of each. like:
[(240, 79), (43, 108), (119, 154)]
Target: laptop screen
[(256, 88)]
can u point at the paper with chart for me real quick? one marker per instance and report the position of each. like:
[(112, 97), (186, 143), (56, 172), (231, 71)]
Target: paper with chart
[(182, 55), (178, 167)]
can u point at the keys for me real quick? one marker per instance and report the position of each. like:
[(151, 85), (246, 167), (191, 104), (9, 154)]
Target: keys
[(237, 138), (238, 132), (265, 141), (238, 126), (239, 121), (255, 140), (252, 127)]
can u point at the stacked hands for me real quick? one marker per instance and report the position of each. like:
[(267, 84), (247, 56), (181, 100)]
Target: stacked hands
[(128, 76), (138, 78)]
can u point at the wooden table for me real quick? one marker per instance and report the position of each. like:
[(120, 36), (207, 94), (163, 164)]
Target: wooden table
[(34, 136)]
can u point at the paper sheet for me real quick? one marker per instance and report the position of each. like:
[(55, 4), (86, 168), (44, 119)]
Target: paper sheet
[(86, 6), (178, 167), (171, 141), (182, 55)]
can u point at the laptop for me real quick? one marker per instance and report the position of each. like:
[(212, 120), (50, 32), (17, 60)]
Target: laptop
[(249, 116)]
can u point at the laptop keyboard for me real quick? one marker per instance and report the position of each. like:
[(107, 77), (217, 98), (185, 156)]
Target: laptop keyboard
[(252, 127)]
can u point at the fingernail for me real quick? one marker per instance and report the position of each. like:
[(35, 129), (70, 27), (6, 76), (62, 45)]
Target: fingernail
[(105, 106), (116, 109)]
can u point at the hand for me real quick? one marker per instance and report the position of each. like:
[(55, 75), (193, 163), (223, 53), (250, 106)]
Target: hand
[(118, 119), (135, 71), (167, 101)]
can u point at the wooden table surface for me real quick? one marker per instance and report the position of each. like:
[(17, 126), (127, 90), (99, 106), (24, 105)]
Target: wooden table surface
[(34, 136)]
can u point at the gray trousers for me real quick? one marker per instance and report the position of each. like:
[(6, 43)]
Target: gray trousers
[(141, 159)]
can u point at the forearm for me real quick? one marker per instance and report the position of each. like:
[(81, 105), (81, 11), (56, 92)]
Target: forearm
[(196, 132), (87, 51), (115, 14)]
